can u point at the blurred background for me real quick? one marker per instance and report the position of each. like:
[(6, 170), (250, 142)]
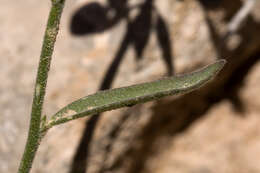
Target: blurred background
[(111, 43)]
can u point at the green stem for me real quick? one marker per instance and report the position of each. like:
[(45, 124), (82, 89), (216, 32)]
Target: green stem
[(34, 135)]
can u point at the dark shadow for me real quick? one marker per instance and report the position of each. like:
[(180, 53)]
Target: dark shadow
[(220, 43), (191, 107), (164, 40), (187, 109), (94, 18), (183, 113), (114, 135)]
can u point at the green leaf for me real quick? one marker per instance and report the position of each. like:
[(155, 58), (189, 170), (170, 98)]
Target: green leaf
[(127, 96)]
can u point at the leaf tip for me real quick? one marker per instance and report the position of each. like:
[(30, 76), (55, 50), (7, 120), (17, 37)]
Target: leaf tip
[(221, 63), (215, 67)]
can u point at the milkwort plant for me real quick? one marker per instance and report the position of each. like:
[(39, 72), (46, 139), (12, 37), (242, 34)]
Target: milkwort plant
[(100, 101)]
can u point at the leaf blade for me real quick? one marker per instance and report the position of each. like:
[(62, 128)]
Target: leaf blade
[(120, 97)]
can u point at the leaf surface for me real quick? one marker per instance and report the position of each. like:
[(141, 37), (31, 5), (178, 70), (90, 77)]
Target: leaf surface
[(127, 96)]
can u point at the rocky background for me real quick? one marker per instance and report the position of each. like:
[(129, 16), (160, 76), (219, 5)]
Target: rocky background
[(214, 129)]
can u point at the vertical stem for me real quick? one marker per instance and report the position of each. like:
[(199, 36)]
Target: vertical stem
[(34, 135)]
